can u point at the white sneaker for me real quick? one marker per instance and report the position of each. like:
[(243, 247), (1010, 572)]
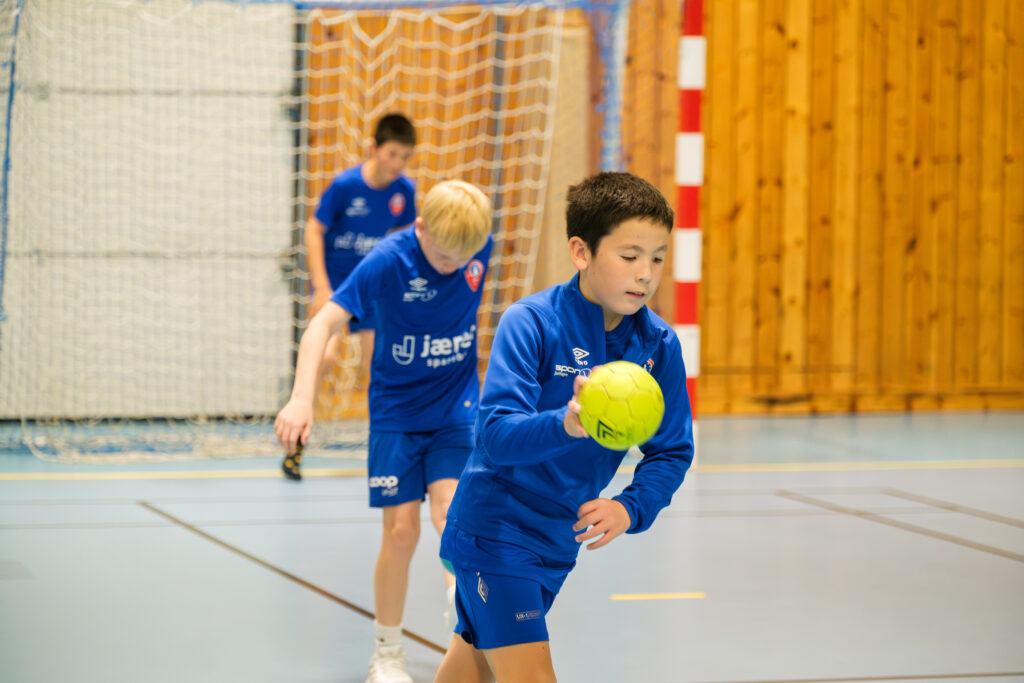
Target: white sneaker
[(388, 665)]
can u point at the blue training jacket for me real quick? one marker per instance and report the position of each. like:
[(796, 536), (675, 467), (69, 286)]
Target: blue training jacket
[(526, 478)]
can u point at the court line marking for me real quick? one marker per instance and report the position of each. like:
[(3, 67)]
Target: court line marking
[(288, 575), (857, 679), (952, 507), (871, 466), (658, 596), (337, 521), (863, 514)]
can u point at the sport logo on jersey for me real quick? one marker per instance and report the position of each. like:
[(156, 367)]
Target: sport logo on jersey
[(419, 291), (436, 352), (396, 204), (474, 274), (357, 208), (579, 354)]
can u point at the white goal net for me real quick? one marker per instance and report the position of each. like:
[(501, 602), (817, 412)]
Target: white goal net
[(160, 160)]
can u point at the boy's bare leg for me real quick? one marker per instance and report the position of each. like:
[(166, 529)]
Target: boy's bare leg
[(440, 493), (463, 663), (521, 663), (400, 533)]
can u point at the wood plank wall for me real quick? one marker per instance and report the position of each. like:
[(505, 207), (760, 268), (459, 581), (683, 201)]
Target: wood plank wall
[(863, 206), (650, 110)]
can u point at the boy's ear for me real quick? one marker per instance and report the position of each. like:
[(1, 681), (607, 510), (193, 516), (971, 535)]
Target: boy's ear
[(579, 252)]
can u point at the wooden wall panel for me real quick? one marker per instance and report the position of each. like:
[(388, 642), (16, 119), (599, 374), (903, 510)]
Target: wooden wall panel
[(990, 211), (650, 112), (769, 202), (845, 214), (864, 206), (1013, 225)]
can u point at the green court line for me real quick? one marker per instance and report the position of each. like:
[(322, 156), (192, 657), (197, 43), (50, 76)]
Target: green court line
[(737, 468)]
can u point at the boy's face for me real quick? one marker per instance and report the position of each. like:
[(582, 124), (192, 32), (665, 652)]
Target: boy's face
[(390, 160), (624, 273), (444, 261)]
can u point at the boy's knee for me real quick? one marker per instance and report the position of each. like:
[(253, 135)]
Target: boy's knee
[(402, 537), (439, 514)]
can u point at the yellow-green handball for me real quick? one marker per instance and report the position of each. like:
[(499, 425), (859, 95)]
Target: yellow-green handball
[(621, 405)]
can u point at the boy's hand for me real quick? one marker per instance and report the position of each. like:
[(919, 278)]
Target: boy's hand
[(606, 518), (293, 423), (573, 426)]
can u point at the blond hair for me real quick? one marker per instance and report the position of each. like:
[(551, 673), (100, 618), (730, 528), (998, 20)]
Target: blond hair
[(458, 215)]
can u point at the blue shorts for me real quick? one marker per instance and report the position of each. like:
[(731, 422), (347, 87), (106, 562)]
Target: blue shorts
[(495, 610), (400, 465), (502, 591)]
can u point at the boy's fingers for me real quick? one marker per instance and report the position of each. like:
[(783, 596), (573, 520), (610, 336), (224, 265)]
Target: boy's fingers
[(589, 534), (578, 383), (603, 541)]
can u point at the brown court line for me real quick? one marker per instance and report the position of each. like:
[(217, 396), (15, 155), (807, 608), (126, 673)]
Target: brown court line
[(953, 507), (25, 526), (361, 497), (288, 575), (925, 677), (863, 514)]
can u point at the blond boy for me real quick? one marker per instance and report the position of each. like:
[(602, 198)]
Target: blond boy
[(423, 286)]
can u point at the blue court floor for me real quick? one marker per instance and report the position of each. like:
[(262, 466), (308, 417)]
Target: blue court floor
[(875, 548)]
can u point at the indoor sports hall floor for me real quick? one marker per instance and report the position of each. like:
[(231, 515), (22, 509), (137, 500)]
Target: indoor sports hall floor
[(879, 548)]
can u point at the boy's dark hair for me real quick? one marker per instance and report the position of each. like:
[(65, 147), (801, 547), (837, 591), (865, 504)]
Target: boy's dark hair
[(395, 128), (600, 203)]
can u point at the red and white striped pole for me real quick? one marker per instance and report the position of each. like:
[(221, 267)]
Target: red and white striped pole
[(689, 178)]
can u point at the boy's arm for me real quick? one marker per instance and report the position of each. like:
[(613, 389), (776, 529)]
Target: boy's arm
[(668, 455), (316, 263), (512, 431), (295, 420)]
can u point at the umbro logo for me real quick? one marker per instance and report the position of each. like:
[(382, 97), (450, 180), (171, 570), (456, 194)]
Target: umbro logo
[(605, 431), (481, 588), (419, 292), (579, 354)]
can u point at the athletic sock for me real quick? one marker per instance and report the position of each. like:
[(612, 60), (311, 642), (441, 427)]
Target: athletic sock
[(387, 635)]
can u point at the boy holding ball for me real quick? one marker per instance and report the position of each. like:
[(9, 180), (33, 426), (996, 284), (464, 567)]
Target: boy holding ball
[(528, 496)]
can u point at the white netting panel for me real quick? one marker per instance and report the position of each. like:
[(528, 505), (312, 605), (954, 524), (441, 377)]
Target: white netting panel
[(479, 84), (163, 156)]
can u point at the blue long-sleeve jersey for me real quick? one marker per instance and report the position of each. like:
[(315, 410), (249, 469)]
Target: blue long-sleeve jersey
[(526, 478)]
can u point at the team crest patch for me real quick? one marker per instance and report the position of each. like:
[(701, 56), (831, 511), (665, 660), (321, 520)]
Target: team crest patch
[(474, 274), (649, 365), (396, 203)]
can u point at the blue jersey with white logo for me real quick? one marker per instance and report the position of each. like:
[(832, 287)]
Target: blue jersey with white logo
[(424, 369), (527, 478), (358, 216)]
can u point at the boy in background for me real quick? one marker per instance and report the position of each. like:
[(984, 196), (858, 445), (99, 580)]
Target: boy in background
[(358, 209)]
